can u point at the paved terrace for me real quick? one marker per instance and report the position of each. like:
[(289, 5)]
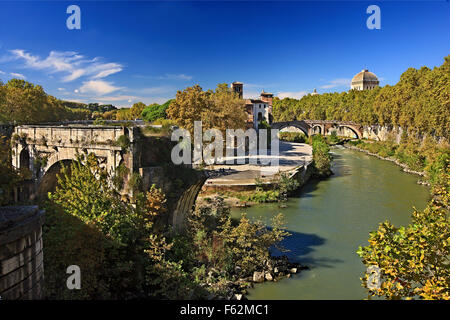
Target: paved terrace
[(292, 155)]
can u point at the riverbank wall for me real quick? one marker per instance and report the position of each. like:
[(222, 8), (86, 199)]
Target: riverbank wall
[(230, 191)]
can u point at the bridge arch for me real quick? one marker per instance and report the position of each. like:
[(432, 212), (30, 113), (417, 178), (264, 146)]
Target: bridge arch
[(48, 181), (352, 128), (301, 125), (316, 129)]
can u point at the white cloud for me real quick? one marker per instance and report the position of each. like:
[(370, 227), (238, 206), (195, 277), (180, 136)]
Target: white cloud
[(70, 63), (341, 82), (61, 89), (292, 94), (175, 77), (1, 72), (98, 87), (18, 75)]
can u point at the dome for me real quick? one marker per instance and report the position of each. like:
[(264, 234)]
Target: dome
[(364, 75), (364, 80)]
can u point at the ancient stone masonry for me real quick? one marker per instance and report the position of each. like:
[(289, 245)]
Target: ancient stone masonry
[(21, 253), (44, 149)]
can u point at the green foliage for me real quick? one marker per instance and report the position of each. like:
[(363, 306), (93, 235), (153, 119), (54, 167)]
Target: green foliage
[(123, 141), (99, 121), (414, 260), (22, 102), (130, 113), (260, 196), (286, 185), (293, 137), (9, 178), (332, 138), (249, 242), (155, 111), (220, 109), (420, 100), (86, 208), (428, 156), (321, 156), (220, 244)]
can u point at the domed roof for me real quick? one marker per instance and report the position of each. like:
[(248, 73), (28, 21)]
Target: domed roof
[(364, 76)]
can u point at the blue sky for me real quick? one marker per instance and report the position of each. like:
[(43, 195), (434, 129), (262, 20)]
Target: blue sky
[(147, 50)]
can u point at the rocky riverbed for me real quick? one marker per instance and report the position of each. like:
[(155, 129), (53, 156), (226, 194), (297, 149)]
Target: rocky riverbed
[(275, 269)]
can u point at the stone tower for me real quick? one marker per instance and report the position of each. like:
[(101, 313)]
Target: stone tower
[(238, 87), (267, 97)]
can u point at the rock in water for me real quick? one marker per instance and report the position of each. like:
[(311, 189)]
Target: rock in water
[(258, 276), (269, 277), (293, 270)]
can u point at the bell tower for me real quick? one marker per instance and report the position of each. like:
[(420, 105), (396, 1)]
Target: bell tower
[(238, 87)]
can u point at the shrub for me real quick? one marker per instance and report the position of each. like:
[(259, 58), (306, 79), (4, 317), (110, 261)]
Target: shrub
[(123, 141), (321, 156)]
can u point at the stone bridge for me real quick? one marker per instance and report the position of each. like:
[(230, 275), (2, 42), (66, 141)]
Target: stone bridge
[(311, 127), (41, 150)]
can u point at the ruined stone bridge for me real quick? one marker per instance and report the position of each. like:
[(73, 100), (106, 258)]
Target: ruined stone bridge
[(43, 149)]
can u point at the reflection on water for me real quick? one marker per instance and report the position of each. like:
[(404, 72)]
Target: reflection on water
[(329, 220)]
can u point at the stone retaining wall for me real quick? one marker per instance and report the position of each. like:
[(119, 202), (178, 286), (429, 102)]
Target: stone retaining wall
[(21, 253)]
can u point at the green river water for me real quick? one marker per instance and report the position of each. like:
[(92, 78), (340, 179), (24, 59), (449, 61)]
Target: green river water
[(329, 220)]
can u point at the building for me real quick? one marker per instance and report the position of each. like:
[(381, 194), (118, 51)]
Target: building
[(238, 87), (364, 80), (259, 109), (314, 93)]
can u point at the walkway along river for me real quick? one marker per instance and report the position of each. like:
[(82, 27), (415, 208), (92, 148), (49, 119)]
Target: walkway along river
[(331, 218)]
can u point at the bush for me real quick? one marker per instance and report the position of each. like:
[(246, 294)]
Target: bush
[(261, 196), (286, 185), (321, 156), (123, 141)]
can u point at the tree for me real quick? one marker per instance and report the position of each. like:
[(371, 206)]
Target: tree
[(419, 101), (130, 113), (321, 156), (85, 191), (221, 109), (413, 260), (156, 111)]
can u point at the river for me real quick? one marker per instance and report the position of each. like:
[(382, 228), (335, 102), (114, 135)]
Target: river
[(330, 218)]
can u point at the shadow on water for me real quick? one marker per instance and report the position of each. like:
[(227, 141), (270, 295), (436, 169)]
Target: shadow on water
[(300, 246)]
